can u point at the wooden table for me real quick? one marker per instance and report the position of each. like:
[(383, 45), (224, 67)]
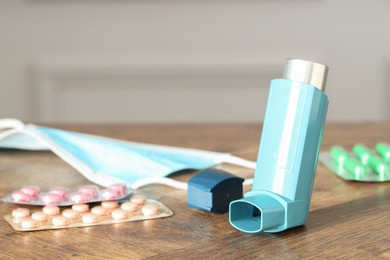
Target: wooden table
[(348, 220)]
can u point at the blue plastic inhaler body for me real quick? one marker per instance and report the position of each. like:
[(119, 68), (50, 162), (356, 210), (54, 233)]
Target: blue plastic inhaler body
[(288, 154)]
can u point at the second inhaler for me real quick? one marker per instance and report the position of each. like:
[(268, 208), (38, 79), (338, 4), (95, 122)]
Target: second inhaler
[(288, 154)]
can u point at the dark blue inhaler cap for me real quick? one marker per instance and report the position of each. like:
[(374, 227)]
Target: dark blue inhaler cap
[(213, 190)]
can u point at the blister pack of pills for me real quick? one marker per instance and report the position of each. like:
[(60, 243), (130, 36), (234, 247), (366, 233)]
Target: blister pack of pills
[(82, 215), (61, 196), (360, 164)]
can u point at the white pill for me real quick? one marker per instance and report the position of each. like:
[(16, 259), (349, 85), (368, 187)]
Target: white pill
[(20, 213), (119, 214)]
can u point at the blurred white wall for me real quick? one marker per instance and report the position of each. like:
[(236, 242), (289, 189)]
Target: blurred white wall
[(186, 60)]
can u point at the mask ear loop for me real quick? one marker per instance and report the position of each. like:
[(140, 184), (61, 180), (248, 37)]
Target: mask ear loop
[(235, 160), (226, 158), (160, 180), (11, 123)]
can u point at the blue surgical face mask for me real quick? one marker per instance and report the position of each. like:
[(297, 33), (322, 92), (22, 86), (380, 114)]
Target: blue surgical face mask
[(106, 161)]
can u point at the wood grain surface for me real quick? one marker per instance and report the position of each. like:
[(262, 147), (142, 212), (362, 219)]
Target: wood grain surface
[(347, 220)]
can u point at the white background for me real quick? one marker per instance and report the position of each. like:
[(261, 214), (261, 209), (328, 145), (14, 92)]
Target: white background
[(186, 60)]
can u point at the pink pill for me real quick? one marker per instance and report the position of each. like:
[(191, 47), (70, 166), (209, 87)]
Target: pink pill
[(19, 196), (91, 190), (28, 223), (51, 199), (31, 190), (61, 191), (109, 194), (20, 213), (149, 210), (39, 216), (80, 207), (129, 206), (99, 210), (110, 204), (119, 214), (59, 221), (70, 214), (80, 197), (90, 218), (51, 210), (138, 200), (122, 188)]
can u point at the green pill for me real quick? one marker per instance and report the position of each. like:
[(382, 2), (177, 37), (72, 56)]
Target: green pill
[(362, 153), (379, 165), (356, 168), (383, 150), (339, 155)]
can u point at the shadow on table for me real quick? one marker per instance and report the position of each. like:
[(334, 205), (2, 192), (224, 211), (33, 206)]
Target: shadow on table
[(350, 210)]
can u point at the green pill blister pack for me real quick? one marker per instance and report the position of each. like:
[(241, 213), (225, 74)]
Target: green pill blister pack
[(360, 164)]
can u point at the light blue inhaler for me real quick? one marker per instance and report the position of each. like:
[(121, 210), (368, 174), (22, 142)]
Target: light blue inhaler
[(288, 154)]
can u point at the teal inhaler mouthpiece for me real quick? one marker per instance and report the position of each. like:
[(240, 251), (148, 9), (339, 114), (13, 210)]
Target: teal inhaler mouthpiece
[(288, 153)]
